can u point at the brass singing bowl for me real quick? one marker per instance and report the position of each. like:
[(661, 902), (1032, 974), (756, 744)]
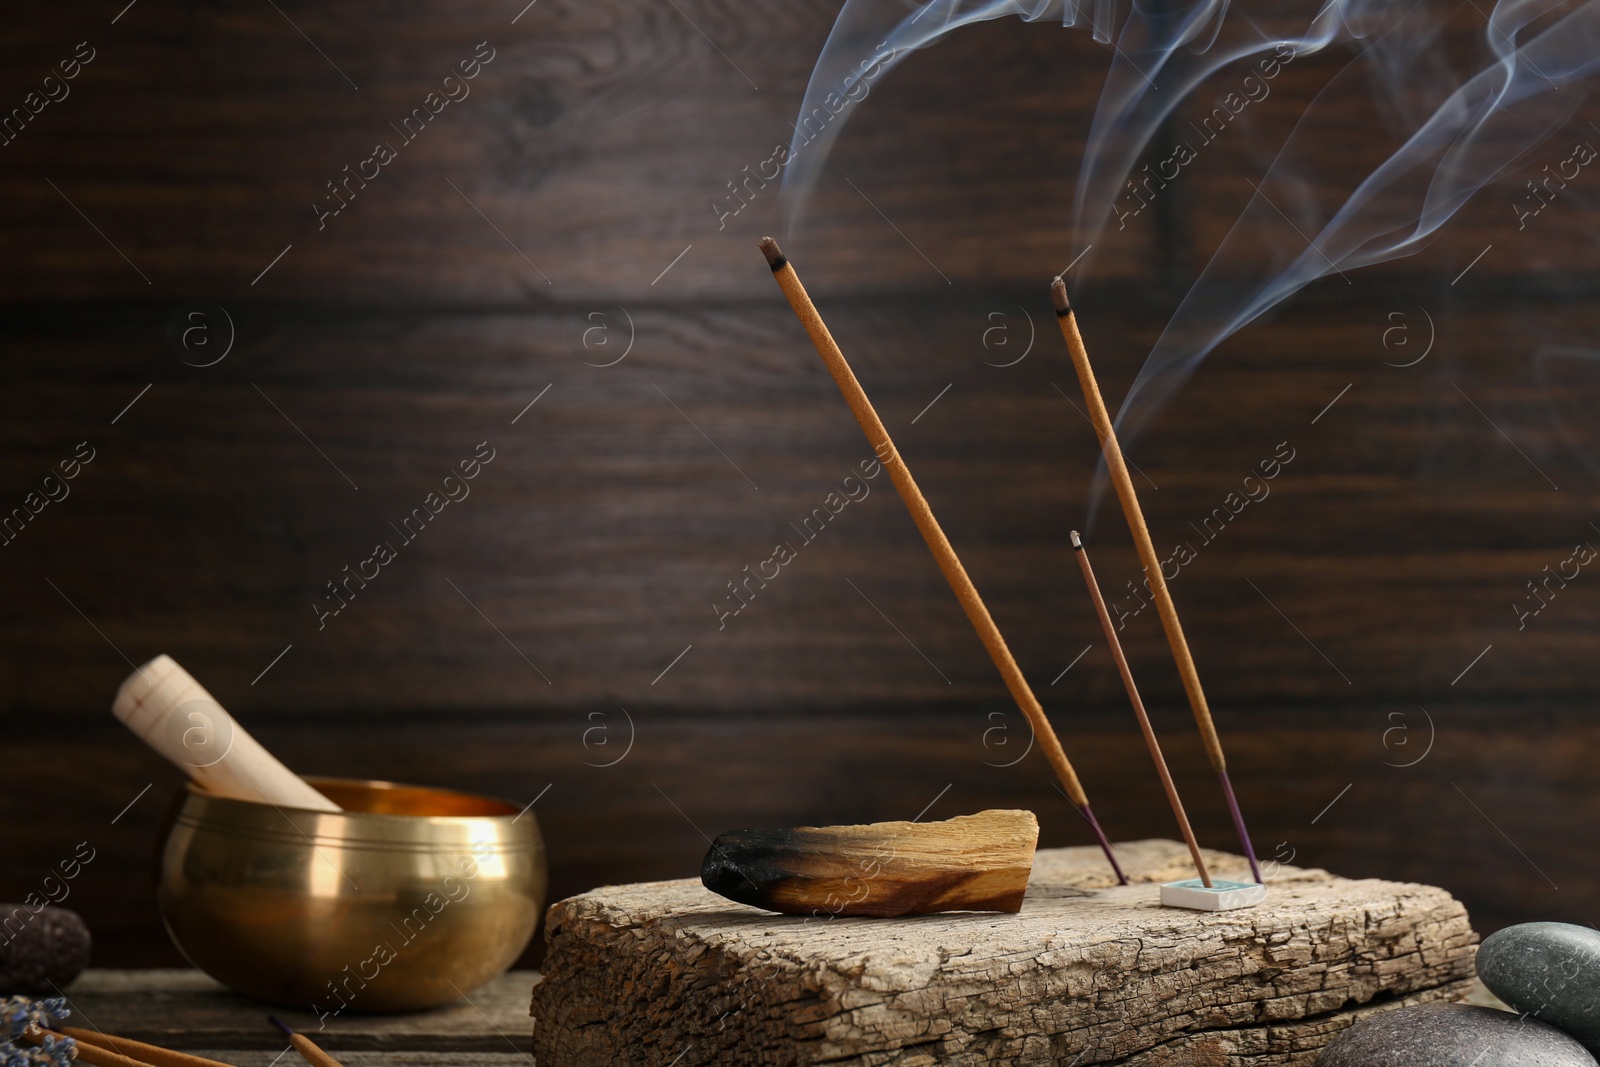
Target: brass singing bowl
[(407, 899)]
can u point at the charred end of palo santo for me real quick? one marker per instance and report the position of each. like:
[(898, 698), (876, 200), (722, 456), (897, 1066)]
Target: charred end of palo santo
[(970, 863)]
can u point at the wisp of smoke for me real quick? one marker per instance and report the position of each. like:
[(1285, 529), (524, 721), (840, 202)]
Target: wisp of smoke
[(1451, 133)]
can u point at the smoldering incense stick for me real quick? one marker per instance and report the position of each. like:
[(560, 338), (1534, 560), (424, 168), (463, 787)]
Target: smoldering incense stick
[(938, 543), (1138, 707), (1147, 555)]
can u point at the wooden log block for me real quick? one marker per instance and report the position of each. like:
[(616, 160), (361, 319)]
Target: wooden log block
[(1088, 973)]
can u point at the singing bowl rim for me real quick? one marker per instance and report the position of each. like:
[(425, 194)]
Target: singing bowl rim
[(370, 786), (443, 819)]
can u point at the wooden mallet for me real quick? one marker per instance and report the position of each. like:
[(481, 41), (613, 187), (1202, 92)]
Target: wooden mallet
[(1147, 556), (163, 704), (878, 438)]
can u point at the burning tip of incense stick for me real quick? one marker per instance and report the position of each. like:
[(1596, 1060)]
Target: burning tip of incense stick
[(774, 254), (1058, 293), (1077, 542)]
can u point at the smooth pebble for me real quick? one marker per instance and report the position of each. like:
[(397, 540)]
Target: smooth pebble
[(1453, 1035), (1551, 971)]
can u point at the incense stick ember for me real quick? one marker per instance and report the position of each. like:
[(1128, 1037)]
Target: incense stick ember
[(970, 863), (1138, 707), (1129, 499), (938, 543)]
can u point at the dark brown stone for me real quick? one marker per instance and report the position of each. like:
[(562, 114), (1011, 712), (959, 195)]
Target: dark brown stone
[(40, 949)]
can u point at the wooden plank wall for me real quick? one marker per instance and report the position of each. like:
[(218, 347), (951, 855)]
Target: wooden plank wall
[(562, 215)]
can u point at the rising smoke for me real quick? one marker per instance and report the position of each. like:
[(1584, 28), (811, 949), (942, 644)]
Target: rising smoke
[(1448, 132)]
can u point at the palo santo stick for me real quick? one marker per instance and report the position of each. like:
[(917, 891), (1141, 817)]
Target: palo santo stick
[(1147, 556), (969, 863), (173, 714), (1138, 707), (87, 1053), (305, 1046), (938, 543), (139, 1051)]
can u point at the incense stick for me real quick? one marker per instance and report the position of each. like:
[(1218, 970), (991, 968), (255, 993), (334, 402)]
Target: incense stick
[(938, 543), (137, 1051), (87, 1053), (1138, 707), (305, 1046), (1147, 555)]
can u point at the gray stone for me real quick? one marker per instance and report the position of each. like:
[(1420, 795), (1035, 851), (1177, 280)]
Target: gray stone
[(1551, 971), (41, 948), (1453, 1035)]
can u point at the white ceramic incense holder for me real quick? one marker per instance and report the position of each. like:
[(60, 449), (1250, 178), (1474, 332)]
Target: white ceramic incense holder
[(163, 704), (1194, 894)]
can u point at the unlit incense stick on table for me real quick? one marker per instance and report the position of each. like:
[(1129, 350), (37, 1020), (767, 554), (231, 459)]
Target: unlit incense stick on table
[(938, 543), (93, 1047), (1147, 556)]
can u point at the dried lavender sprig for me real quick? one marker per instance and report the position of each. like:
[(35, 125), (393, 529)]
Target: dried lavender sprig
[(17, 1016)]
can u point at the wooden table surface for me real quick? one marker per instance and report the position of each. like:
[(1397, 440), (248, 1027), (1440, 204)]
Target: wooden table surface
[(185, 1009)]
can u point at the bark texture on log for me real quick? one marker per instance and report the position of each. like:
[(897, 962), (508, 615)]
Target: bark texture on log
[(1088, 973)]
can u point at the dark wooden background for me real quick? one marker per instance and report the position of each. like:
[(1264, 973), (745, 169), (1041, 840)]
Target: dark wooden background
[(521, 642)]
